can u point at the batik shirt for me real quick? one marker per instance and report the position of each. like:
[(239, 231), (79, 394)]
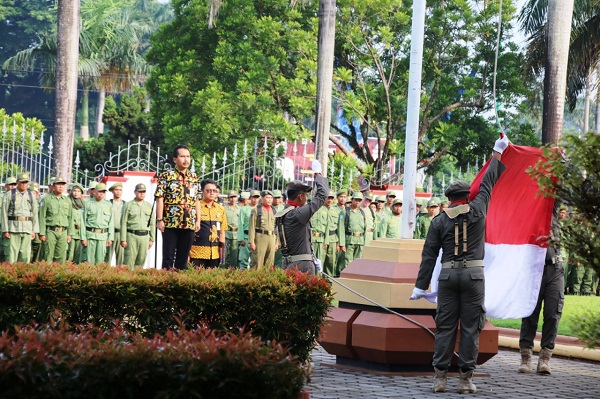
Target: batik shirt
[(206, 240), (179, 191)]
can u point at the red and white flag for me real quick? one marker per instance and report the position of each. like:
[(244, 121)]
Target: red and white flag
[(516, 236)]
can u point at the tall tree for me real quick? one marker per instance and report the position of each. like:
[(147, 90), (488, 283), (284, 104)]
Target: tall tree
[(67, 52)]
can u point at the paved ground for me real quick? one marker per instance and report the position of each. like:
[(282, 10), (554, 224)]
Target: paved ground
[(569, 379)]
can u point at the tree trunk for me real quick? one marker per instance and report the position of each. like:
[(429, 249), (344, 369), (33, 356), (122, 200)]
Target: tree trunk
[(84, 129), (327, 10), (66, 85), (597, 121), (100, 112), (560, 14), (586, 106)]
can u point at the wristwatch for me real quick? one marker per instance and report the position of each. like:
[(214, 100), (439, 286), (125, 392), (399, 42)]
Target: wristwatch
[(159, 219)]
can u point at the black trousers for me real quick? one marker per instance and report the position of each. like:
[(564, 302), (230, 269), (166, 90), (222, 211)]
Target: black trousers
[(176, 248)]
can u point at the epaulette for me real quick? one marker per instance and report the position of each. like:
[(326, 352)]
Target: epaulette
[(457, 210), (284, 211)]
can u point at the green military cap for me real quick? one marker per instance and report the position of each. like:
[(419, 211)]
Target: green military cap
[(140, 187), (380, 198), (432, 203), (563, 208), (397, 201), (10, 180), (391, 193), (264, 193), (245, 195), (369, 195), (23, 178), (100, 187), (255, 193), (34, 187), (357, 195), (93, 185), (277, 194), (444, 202), (60, 180), (348, 200), (51, 181), (298, 186), (118, 184), (331, 194), (232, 193), (77, 185), (342, 192)]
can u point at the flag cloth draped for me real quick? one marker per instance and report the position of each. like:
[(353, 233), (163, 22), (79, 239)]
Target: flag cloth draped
[(516, 236)]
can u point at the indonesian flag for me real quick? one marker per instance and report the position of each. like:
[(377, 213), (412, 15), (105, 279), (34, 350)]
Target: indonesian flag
[(516, 236)]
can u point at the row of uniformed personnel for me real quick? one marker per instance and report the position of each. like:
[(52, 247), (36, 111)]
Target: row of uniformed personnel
[(59, 227)]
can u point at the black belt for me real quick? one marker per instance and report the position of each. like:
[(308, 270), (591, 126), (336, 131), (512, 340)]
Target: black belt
[(265, 232), (20, 218), (332, 232), (245, 231), (97, 231), (58, 229), (138, 232), (117, 230)]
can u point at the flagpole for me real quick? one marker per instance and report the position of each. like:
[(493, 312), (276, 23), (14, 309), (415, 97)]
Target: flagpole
[(412, 118)]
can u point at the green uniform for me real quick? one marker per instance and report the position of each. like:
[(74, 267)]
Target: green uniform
[(318, 222), (278, 254), (116, 248), (136, 232), (77, 233), (100, 228), (392, 225), (422, 226), (19, 219), (356, 227), (370, 220), (379, 221), (232, 213), (261, 232), (243, 246), (55, 216), (334, 239), (341, 258), (4, 242)]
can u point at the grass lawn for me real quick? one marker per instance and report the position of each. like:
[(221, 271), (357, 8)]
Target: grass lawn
[(574, 305)]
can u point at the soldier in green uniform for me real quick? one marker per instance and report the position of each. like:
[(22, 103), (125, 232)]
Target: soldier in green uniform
[(232, 213), (19, 220), (99, 225), (77, 228), (335, 237), (369, 217), (117, 207), (319, 225), (392, 224), (278, 205), (244, 252), (355, 224), (261, 232), (424, 219), (56, 216), (9, 184), (380, 216), (443, 206), (36, 244), (341, 197), (389, 200), (138, 225)]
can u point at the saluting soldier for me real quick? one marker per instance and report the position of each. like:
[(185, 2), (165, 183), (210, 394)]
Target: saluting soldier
[(261, 232), (9, 184), (77, 228), (137, 229), (244, 252), (55, 216), (99, 225), (117, 208), (355, 226), (232, 213), (392, 223), (20, 220)]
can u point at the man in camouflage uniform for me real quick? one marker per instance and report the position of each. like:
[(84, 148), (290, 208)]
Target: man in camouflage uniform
[(355, 225), (137, 230), (232, 213), (19, 222), (99, 226), (392, 224), (117, 208), (424, 219), (261, 232), (244, 251), (55, 216)]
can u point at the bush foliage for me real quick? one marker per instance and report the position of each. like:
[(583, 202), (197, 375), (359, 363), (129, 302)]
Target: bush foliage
[(288, 307), (92, 363)]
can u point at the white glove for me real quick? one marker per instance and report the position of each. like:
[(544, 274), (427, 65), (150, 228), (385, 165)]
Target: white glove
[(316, 166), (417, 294), (318, 267), (501, 144)]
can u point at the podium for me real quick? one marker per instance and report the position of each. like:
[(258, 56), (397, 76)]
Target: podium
[(362, 334)]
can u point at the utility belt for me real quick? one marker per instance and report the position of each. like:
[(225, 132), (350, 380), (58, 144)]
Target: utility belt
[(20, 218), (117, 230), (355, 233), (318, 234), (58, 229), (297, 258), (97, 231), (265, 232), (459, 264), (332, 232), (138, 232)]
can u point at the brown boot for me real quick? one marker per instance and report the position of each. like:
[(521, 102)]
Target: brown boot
[(465, 383), (439, 381), (542, 366), (525, 367)]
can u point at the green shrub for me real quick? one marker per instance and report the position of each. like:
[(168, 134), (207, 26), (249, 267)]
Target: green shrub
[(288, 307), (91, 363), (587, 327)]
